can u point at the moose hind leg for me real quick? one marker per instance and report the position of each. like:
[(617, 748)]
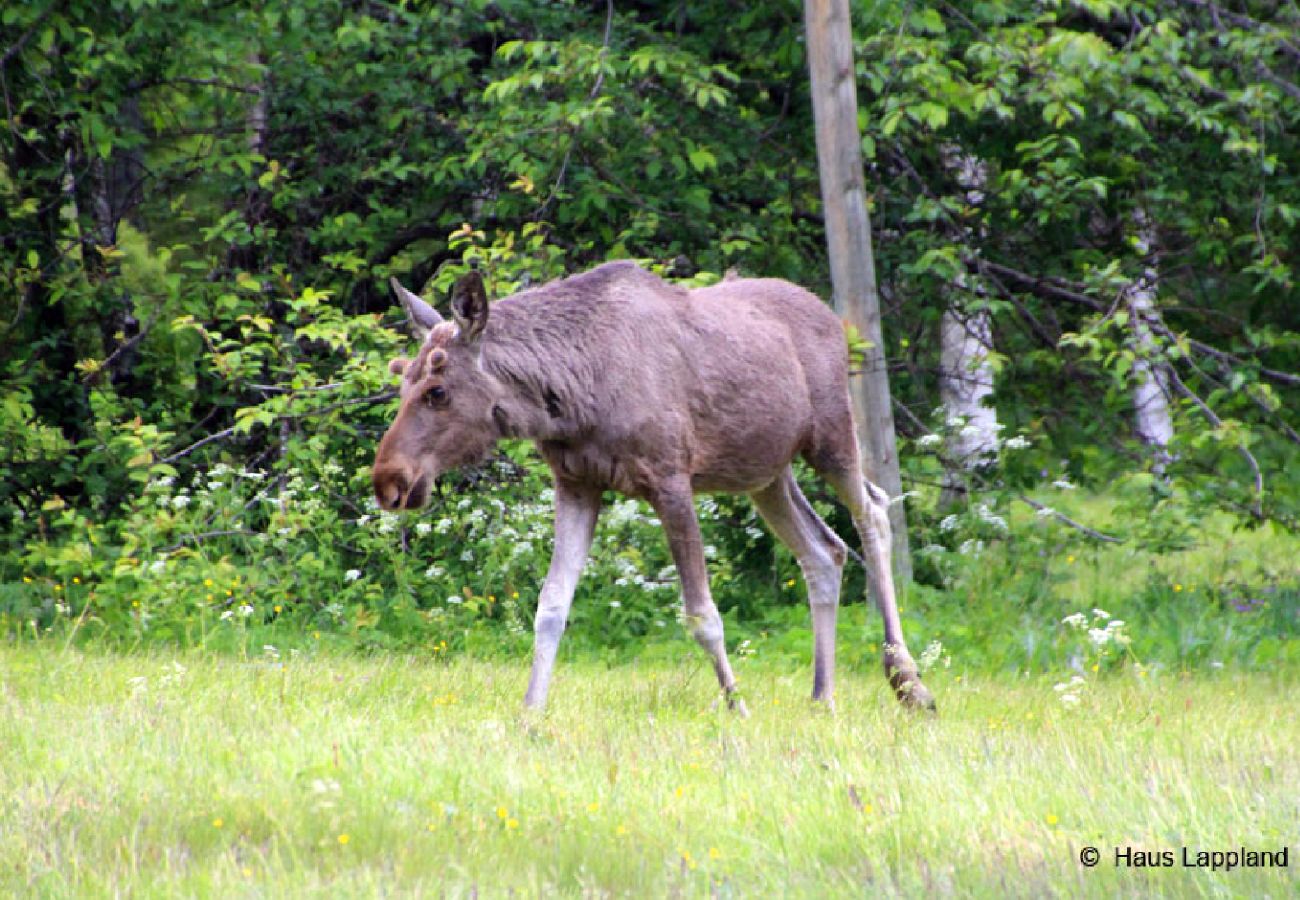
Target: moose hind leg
[(675, 505), (869, 507), (821, 557)]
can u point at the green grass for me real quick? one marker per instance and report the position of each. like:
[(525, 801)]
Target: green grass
[(338, 776)]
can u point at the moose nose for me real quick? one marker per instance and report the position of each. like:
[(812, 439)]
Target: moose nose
[(390, 487), (395, 489)]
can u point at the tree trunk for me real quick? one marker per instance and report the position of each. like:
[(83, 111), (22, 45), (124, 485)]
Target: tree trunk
[(965, 384), (1152, 419), (965, 343), (848, 238)]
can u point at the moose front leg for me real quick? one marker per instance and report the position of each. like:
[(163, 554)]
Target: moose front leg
[(576, 511), (674, 502)]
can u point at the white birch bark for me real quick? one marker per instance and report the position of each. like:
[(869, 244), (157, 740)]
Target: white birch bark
[(1152, 419), (965, 343)]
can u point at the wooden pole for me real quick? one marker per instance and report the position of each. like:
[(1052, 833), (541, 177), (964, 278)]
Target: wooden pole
[(848, 239)]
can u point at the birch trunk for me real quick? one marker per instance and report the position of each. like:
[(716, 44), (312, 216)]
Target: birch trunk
[(965, 344), (848, 238), (1152, 419), (965, 387)]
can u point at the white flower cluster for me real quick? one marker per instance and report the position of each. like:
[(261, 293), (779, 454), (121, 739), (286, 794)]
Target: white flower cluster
[(931, 655), (1069, 691)]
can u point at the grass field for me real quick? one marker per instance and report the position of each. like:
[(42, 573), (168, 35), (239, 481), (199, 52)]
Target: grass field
[(200, 775)]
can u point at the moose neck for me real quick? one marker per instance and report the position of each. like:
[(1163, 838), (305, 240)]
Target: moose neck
[(537, 391)]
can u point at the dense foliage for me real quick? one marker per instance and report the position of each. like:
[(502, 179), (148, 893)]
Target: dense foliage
[(202, 205)]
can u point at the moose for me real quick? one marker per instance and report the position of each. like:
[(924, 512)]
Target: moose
[(626, 382)]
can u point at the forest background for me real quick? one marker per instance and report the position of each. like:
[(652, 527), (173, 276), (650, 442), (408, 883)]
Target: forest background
[(1086, 232)]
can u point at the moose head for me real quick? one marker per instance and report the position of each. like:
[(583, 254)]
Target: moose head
[(448, 414)]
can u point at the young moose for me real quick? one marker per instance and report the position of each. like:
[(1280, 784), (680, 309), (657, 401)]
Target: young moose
[(629, 383)]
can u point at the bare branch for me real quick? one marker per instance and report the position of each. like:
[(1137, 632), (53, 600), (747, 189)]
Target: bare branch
[(224, 433), (1256, 510), (1062, 517), (208, 535), (355, 401)]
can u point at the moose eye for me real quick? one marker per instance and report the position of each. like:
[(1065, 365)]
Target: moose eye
[(436, 396)]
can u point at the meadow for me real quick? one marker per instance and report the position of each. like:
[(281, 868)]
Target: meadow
[(306, 773)]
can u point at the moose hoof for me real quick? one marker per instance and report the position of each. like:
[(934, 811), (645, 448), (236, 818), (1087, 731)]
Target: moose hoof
[(914, 695), (906, 682)]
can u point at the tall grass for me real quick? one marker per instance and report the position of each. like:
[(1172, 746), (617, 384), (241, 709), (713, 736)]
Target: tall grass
[(161, 774)]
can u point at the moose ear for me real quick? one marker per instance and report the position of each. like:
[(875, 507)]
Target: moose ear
[(421, 315), (469, 305)]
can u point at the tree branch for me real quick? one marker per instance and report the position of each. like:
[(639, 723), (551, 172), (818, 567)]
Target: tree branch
[(17, 46), (224, 433), (1256, 510)]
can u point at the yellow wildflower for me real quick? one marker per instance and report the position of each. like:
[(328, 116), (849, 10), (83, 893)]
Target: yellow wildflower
[(344, 838)]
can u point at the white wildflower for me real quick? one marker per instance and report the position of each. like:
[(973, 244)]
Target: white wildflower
[(245, 610), (1044, 512), (1076, 620), (351, 574), (928, 440), (227, 614), (931, 655), (1100, 613), (614, 604), (1063, 484), (455, 599), (1100, 637), (949, 522), (1019, 442)]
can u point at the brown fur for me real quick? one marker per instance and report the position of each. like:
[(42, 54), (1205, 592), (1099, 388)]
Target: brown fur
[(629, 383)]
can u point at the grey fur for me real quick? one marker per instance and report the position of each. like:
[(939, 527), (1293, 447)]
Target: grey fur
[(629, 383)]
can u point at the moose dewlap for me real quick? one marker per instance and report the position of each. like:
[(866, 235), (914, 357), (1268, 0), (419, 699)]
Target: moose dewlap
[(628, 383)]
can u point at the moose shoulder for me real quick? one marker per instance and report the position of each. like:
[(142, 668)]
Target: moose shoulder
[(629, 383)]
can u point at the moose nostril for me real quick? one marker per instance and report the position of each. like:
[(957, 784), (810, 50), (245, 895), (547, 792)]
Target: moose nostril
[(389, 490)]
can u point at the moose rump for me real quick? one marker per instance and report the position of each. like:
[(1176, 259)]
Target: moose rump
[(629, 383)]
